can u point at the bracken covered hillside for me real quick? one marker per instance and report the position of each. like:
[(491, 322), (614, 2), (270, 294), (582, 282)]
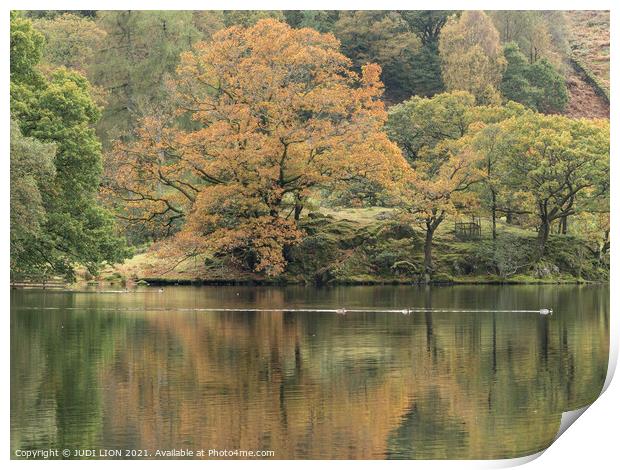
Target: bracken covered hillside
[(589, 42)]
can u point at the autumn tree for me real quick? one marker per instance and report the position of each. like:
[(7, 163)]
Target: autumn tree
[(275, 113), (471, 56), (433, 134), (552, 161), (539, 34)]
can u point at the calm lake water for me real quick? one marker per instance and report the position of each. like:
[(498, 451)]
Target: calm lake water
[(145, 370)]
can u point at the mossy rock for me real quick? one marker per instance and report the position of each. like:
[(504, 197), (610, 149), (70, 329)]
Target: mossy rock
[(396, 232), (404, 267), (314, 226), (442, 278), (384, 215), (312, 256)]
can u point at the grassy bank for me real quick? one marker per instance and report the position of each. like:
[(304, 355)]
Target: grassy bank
[(369, 246)]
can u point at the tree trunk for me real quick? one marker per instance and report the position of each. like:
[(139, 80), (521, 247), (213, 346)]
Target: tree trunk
[(604, 248), (428, 252), (564, 225), (494, 214), (543, 235)]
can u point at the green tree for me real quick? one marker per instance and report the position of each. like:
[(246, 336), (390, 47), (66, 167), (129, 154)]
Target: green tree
[(26, 51), (140, 51), (208, 22), (71, 41), (426, 24), (432, 134), (486, 131), (551, 94), (471, 56), (60, 110), (550, 161), (404, 43), (538, 86), (515, 86), (32, 168), (319, 20), (421, 123), (246, 18), (381, 37), (426, 78)]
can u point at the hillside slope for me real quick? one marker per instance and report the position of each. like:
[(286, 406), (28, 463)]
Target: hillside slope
[(589, 42)]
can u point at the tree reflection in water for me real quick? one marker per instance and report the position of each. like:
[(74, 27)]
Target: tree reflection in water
[(306, 385)]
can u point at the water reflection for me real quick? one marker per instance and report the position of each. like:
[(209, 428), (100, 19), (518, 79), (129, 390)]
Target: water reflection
[(306, 385)]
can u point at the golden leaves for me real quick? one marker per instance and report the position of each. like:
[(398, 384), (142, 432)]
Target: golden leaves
[(274, 113)]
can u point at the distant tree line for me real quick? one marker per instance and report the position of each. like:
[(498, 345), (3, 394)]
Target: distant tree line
[(218, 127)]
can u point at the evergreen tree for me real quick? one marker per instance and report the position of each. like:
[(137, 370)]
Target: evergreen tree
[(515, 85), (538, 86), (551, 91), (426, 74)]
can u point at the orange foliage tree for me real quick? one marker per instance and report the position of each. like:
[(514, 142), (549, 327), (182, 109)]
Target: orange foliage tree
[(260, 117)]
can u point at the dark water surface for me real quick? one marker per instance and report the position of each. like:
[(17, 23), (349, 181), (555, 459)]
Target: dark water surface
[(143, 370)]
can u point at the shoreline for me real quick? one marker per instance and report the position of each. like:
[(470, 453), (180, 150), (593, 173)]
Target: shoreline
[(157, 282), (264, 282)]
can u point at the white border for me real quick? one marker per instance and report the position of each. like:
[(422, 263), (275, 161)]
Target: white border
[(591, 442)]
